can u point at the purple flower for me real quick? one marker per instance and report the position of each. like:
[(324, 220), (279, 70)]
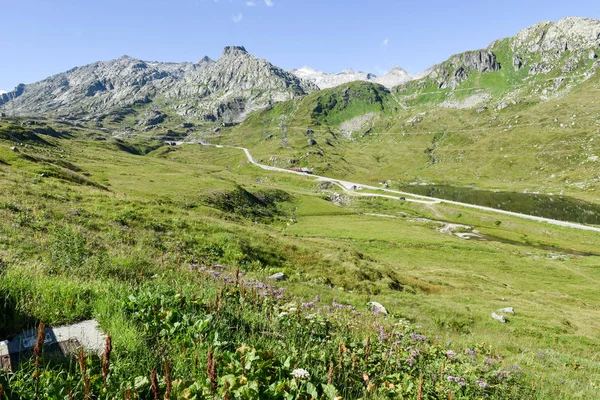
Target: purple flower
[(450, 354), (411, 361), (414, 353), (416, 337), (502, 374), (471, 352), (482, 384), (457, 379)]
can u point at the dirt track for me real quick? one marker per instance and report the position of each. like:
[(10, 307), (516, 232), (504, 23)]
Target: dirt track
[(352, 187)]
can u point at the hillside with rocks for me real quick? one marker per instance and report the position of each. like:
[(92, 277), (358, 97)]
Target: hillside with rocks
[(542, 62)]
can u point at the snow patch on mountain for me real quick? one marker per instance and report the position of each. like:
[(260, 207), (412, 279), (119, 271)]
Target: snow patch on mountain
[(324, 80)]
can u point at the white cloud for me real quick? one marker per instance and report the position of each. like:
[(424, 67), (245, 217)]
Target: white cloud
[(385, 42), (3, 91), (269, 3), (250, 3), (237, 18)]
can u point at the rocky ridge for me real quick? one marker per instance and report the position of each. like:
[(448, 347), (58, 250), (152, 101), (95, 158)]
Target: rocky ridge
[(541, 62), (225, 89)]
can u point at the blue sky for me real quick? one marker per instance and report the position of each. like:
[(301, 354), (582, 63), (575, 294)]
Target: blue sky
[(43, 37)]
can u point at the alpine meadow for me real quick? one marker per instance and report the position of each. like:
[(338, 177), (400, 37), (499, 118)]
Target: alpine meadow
[(228, 229)]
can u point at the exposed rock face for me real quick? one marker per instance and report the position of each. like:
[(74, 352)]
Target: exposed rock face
[(571, 33), (228, 88), (324, 80), (546, 44), (451, 73)]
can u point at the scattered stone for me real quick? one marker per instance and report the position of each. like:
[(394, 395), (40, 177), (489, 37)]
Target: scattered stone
[(499, 318), (278, 277), (377, 308), (325, 185), (507, 310), (502, 106), (415, 119), (592, 55), (312, 142), (13, 148), (339, 200), (481, 109)]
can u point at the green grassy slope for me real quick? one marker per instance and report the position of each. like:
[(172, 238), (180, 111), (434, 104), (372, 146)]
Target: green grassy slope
[(549, 146), (76, 245)]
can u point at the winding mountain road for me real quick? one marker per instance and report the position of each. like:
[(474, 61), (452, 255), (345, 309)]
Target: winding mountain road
[(352, 187)]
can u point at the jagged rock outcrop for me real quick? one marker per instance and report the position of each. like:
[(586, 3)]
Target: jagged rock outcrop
[(457, 69), (571, 33), (224, 89), (564, 45)]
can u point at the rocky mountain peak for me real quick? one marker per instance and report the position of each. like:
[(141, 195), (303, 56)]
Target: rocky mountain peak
[(234, 50), (205, 60), (570, 33)]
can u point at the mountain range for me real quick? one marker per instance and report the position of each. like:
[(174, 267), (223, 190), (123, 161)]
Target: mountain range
[(394, 77), (542, 62)]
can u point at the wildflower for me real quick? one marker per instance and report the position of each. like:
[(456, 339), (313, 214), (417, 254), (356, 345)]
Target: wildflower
[(300, 373), (411, 361), (456, 379), (450, 354), (416, 337), (471, 352), (482, 384), (414, 353), (502, 374)]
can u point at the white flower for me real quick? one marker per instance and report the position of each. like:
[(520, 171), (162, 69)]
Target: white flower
[(300, 373)]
